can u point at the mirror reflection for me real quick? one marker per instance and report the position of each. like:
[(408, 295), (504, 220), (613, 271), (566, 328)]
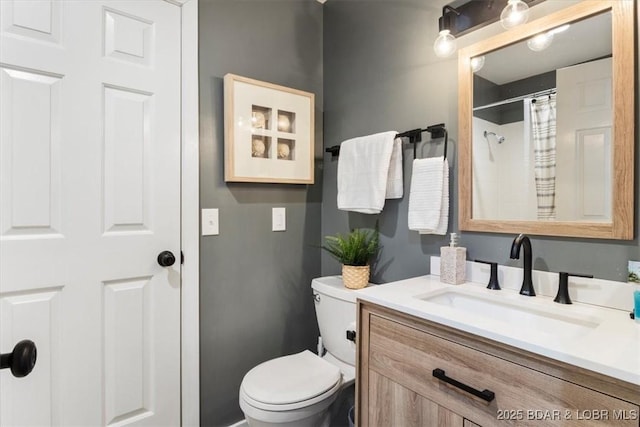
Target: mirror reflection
[(542, 126)]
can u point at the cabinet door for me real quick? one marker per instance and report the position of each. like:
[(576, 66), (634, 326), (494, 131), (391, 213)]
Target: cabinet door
[(391, 404), (523, 396)]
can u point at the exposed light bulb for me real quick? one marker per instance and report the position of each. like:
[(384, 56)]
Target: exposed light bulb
[(516, 12), (560, 29), (445, 44), (540, 42), (477, 63)]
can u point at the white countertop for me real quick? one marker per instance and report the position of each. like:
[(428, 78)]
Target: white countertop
[(610, 347)]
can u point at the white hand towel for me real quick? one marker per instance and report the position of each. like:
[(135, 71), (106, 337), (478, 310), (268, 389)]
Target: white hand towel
[(429, 196), (395, 185), (365, 173)]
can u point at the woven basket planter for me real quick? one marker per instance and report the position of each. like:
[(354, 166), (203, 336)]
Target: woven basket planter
[(355, 276)]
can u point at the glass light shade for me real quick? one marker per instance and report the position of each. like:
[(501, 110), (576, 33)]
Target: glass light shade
[(516, 12), (445, 44), (540, 42), (560, 29), (477, 63)]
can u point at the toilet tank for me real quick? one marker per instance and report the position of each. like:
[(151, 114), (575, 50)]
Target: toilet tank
[(336, 314)]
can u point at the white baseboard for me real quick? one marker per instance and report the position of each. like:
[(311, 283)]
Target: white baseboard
[(241, 423)]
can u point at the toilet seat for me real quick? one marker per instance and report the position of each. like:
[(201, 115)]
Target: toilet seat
[(290, 382)]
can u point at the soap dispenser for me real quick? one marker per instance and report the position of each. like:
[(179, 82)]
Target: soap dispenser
[(453, 262)]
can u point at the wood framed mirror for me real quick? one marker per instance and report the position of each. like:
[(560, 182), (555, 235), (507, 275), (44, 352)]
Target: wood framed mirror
[(546, 128)]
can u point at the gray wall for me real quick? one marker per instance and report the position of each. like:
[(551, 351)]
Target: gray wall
[(254, 284), (381, 74)]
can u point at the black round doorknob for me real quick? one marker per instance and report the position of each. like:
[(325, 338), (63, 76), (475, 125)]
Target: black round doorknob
[(166, 259), (21, 360)]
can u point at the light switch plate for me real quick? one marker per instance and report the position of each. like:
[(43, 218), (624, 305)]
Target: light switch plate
[(210, 222), (278, 219)]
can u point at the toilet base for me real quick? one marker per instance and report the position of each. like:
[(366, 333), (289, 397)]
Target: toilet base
[(316, 420)]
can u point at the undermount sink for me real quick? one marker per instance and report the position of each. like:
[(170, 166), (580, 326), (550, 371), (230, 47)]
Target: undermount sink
[(519, 314)]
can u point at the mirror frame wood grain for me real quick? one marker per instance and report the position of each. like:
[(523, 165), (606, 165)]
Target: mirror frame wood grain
[(624, 93)]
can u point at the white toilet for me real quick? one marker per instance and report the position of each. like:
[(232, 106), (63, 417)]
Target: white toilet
[(297, 390)]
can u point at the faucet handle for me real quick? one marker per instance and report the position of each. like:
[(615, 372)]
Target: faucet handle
[(562, 297), (493, 279)]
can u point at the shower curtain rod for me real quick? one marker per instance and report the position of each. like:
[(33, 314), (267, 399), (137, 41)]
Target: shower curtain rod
[(517, 98)]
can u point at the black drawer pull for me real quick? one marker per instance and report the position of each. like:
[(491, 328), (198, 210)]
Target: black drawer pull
[(485, 394)]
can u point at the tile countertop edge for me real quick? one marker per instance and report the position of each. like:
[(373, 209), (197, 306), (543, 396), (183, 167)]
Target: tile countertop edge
[(588, 353)]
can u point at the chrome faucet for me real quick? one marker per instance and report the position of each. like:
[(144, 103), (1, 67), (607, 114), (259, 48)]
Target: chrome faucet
[(527, 284)]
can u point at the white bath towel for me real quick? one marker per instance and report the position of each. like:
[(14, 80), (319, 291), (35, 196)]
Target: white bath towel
[(369, 171), (429, 196), (395, 184)]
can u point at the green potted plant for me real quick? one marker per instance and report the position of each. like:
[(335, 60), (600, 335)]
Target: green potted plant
[(354, 250)]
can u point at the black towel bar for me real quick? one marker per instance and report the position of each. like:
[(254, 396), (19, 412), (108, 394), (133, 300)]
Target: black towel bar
[(414, 135)]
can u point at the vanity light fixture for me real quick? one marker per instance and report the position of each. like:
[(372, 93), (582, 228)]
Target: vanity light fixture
[(445, 44), (477, 63), (461, 17), (560, 29), (515, 13), (540, 41)]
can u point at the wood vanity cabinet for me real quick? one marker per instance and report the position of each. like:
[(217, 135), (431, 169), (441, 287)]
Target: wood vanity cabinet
[(396, 386)]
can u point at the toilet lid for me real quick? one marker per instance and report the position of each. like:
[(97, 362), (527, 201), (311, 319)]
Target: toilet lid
[(290, 379)]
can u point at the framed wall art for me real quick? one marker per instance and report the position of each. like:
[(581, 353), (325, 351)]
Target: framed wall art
[(268, 132)]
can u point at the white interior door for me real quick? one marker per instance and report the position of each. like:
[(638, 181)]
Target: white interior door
[(584, 120), (89, 196)]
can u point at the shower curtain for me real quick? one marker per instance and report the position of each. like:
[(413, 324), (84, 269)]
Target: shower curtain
[(543, 130)]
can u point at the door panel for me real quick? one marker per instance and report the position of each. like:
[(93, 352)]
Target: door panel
[(127, 325), (391, 404), (127, 160), (584, 185), (128, 37), (30, 121), (39, 20), (89, 157), (593, 160), (34, 315)]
